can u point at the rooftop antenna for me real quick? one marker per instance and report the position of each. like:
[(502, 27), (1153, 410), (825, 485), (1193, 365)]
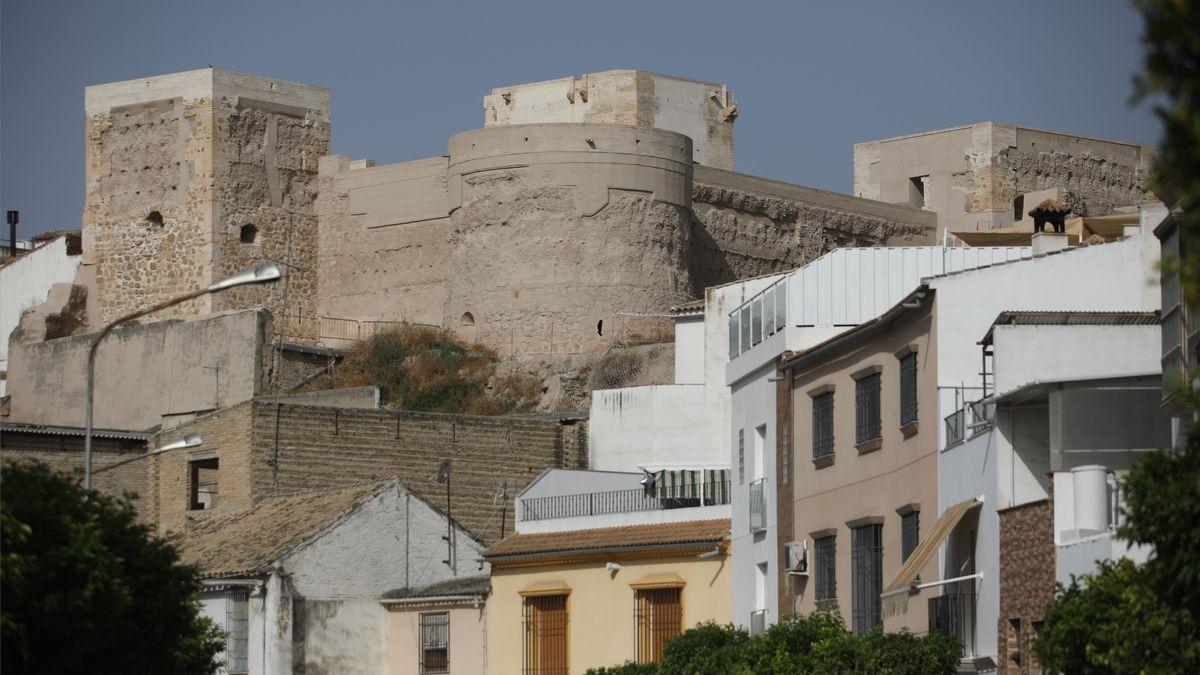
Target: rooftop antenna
[(443, 476)]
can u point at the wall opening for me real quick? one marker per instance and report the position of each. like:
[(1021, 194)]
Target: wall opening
[(249, 234), (600, 327), (1019, 208), (154, 218), (916, 191), (202, 484), (467, 319)]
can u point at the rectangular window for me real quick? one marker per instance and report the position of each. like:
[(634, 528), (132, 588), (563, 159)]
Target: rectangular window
[(545, 622), (866, 408), (910, 533), (908, 388), (741, 456), (733, 336), (825, 567), (202, 484), (822, 424), (866, 551), (916, 191), (759, 470), (658, 617), (435, 642), (237, 624)]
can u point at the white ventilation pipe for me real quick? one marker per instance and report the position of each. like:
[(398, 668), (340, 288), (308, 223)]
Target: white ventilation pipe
[(1090, 484)]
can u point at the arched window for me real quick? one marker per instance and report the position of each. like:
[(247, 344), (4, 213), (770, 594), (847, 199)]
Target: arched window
[(467, 319), (249, 234)]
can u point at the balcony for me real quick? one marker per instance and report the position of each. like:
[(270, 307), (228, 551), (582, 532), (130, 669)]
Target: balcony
[(619, 501), (973, 418), (758, 622), (954, 615), (758, 505)]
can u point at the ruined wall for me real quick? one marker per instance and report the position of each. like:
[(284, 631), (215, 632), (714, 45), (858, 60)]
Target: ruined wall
[(175, 167), (319, 447), (144, 373), (972, 175), (748, 226)]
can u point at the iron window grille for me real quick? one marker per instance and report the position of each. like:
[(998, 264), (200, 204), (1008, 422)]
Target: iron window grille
[(657, 617), (866, 405), (866, 552), (825, 567), (435, 642), (237, 624), (545, 623), (954, 615), (910, 533), (908, 388), (822, 425)]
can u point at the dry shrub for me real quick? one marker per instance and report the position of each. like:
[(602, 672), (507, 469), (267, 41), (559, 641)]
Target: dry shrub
[(429, 369)]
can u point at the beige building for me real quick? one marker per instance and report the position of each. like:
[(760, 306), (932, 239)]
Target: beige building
[(438, 629), (989, 175), (864, 409), (563, 602)]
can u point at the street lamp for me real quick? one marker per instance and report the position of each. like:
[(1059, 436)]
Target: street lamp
[(263, 273), (189, 441)]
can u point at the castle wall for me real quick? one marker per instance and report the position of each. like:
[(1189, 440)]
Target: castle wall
[(972, 175), (177, 164)]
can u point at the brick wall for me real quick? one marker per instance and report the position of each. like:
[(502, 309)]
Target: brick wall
[(65, 453), (1027, 579), (310, 447)]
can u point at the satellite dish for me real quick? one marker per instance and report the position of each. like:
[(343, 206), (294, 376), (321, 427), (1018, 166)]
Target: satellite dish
[(443, 472)]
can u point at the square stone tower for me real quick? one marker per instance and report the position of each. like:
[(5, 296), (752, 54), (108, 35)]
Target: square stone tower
[(192, 176)]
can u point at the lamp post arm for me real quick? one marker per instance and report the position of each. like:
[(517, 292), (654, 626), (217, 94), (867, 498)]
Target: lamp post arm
[(91, 373)]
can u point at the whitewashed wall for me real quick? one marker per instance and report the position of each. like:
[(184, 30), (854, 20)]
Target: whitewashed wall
[(25, 284)]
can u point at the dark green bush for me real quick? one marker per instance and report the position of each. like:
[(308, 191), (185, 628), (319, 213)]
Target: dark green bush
[(816, 643)]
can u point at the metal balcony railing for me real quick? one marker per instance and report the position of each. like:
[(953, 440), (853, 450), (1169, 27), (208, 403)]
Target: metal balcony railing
[(758, 622), (617, 501), (758, 505), (954, 615), (974, 417)]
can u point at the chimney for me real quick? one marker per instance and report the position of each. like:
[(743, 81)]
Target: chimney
[(1046, 242)]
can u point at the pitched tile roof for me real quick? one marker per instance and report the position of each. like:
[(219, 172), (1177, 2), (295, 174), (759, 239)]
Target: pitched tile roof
[(246, 543), (476, 585), (628, 536)]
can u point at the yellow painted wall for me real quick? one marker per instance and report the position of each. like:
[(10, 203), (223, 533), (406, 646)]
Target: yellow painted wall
[(600, 606)]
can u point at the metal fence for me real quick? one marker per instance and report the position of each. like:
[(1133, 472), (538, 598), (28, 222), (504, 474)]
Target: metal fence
[(336, 330), (617, 501), (954, 615)]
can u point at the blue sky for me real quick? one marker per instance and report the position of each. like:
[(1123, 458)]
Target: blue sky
[(812, 78)]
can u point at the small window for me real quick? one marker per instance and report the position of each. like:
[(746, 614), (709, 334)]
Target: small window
[(467, 319), (202, 484), (866, 408), (545, 624), (822, 425), (908, 388), (435, 642), (825, 567), (910, 534), (741, 457), (916, 191), (249, 234), (658, 616), (154, 218), (237, 624)]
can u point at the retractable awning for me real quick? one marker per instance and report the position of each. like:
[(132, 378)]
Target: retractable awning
[(710, 485), (925, 550)]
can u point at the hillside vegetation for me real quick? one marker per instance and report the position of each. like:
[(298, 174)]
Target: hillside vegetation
[(429, 369)]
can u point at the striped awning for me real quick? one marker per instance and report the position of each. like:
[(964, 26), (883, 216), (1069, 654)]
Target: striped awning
[(925, 550), (711, 485)]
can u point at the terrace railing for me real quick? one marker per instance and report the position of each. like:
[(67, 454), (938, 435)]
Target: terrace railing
[(617, 501)]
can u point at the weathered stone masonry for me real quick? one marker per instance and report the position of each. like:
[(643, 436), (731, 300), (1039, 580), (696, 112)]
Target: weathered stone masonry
[(1027, 582), (326, 447)]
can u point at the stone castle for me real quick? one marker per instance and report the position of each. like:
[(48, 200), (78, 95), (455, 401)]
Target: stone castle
[(580, 205)]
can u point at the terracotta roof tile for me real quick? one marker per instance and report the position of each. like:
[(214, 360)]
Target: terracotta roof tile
[(248, 542), (628, 536)]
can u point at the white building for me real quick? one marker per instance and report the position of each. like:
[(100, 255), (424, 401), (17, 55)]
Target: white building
[(799, 310), (297, 580), (26, 282)]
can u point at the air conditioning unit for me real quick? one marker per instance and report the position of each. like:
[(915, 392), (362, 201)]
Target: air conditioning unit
[(797, 557)]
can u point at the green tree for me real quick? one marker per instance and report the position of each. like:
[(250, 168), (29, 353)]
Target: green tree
[(1127, 618), (87, 589)]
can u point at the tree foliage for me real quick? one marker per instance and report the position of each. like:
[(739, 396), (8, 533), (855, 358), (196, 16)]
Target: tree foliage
[(1128, 618), (86, 589), (816, 643)]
